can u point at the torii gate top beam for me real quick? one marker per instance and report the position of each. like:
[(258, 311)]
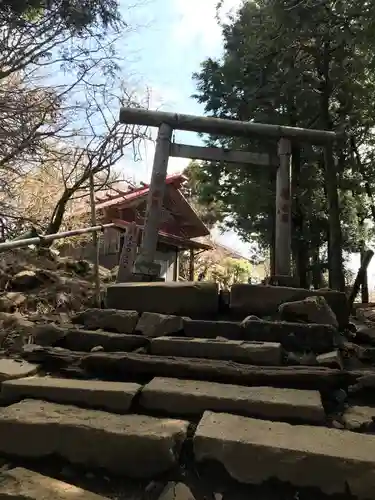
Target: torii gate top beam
[(220, 126)]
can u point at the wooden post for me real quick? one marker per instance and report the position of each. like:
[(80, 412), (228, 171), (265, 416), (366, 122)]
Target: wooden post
[(145, 264), (95, 242), (283, 211), (191, 265)]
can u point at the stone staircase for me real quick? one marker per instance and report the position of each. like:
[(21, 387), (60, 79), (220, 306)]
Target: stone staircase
[(155, 398)]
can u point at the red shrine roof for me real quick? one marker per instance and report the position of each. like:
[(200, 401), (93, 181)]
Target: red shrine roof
[(180, 222)]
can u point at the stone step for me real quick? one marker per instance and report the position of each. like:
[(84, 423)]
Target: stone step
[(329, 459), (111, 396), (24, 484), (13, 368), (292, 336), (193, 299), (121, 366), (264, 300), (85, 340), (212, 329), (130, 445), (257, 353), (192, 397), (108, 319)]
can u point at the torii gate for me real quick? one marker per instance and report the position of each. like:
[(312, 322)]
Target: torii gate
[(167, 122)]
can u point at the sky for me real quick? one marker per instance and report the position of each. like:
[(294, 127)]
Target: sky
[(171, 40), (174, 37)]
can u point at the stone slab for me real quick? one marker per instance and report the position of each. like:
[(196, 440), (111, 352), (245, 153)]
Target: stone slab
[(191, 397), (265, 300), (111, 396), (256, 353), (212, 329), (328, 459), (108, 319), (24, 484), (130, 445), (13, 369), (85, 340), (196, 299), (292, 336), (156, 324)]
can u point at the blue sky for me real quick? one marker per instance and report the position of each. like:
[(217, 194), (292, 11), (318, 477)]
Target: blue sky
[(173, 38)]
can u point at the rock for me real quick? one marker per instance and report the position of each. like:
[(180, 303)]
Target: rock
[(25, 280), (292, 336), (250, 318), (193, 299), (311, 310), (17, 322), (29, 280), (10, 301), (359, 418), (12, 369), (331, 359), (48, 334), (190, 397), (97, 348), (297, 359), (157, 325), (111, 396), (129, 445), (108, 319), (212, 329), (367, 381), (23, 484), (176, 491), (256, 353), (265, 300), (328, 459)]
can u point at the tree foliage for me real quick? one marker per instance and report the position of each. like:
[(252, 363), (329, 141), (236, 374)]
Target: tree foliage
[(61, 89), (306, 64)]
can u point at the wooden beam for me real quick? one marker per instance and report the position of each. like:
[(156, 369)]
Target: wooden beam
[(220, 126), (221, 155)]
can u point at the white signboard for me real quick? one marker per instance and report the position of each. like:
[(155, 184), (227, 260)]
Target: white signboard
[(128, 253)]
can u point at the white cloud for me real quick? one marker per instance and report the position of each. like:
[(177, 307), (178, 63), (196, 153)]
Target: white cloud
[(197, 23)]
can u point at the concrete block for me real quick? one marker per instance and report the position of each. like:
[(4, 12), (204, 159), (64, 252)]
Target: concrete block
[(265, 300), (111, 396), (257, 353), (195, 299), (130, 445), (156, 325), (108, 319), (213, 329), (254, 451), (189, 397), (292, 336)]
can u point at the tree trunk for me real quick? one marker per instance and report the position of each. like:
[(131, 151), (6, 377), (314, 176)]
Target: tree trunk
[(364, 287), (336, 271), (58, 214), (316, 270)]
